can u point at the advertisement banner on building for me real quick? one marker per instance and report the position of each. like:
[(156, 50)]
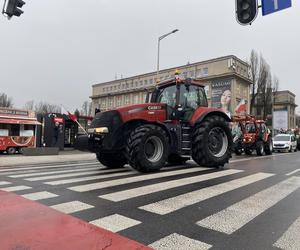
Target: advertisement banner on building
[(221, 94), (280, 119)]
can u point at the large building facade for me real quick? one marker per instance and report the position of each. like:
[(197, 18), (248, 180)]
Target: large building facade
[(226, 79), (282, 105)]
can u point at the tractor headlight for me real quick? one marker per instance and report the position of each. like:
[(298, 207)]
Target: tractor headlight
[(101, 130)]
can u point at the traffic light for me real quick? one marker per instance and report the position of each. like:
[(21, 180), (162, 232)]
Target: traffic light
[(13, 8), (246, 11)]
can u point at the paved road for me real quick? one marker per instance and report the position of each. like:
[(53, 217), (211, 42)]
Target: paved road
[(252, 204)]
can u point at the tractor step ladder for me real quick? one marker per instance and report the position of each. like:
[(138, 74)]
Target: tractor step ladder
[(186, 143)]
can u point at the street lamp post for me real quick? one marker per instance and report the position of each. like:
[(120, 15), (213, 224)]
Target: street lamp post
[(158, 50)]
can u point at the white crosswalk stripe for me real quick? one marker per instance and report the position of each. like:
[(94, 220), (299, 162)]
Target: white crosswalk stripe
[(293, 172), (39, 196), (3, 183), (236, 216), (142, 177), (15, 188), (179, 242), (54, 172), (49, 166), (72, 207), (131, 193), (88, 178), (178, 202), (290, 240), (42, 178), (115, 222)]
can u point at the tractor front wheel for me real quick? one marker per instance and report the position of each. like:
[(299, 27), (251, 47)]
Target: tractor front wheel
[(212, 142), (111, 160), (147, 148)]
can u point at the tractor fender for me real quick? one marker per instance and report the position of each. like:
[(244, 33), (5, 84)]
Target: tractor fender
[(203, 115), (132, 124)]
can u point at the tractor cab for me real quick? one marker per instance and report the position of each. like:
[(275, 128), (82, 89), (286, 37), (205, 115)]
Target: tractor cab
[(182, 98)]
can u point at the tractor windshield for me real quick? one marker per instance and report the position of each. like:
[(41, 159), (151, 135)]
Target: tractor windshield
[(192, 96)]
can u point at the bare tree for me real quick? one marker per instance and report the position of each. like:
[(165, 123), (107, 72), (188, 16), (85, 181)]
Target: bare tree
[(86, 108), (5, 101), (44, 108), (29, 105), (263, 86)]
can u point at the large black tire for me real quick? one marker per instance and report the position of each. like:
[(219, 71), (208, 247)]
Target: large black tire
[(212, 142), (111, 160), (260, 148), (147, 148), (269, 146), (175, 159)]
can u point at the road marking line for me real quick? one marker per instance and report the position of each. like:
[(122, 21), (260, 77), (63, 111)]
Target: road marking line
[(290, 239), (48, 166), (142, 177), (293, 172), (135, 192), (115, 222), (72, 207), (54, 172), (178, 202), (15, 188), (88, 178), (2, 183), (179, 242), (39, 196), (236, 216), (62, 176)]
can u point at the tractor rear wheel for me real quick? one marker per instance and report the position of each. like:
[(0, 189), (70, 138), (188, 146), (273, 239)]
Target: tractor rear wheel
[(212, 143), (269, 147), (147, 148), (260, 148), (111, 160)]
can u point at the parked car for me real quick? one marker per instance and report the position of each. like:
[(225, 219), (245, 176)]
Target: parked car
[(284, 142)]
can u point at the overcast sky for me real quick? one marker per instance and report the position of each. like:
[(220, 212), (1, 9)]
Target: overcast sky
[(58, 49)]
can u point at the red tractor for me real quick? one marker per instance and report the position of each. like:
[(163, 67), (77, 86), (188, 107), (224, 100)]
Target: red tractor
[(253, 135), (175, 125)]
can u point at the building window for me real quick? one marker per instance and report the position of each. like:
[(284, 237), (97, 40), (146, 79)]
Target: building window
[(127, 85), (151, 81), (145, 82), (192, 73), (136, 84), (198, 73), (127, 100), (205, 72)]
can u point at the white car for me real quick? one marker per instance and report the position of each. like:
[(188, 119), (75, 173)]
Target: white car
[(284, 142)]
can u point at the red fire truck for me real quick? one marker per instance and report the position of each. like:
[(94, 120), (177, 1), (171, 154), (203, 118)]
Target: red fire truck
[(17, 130)]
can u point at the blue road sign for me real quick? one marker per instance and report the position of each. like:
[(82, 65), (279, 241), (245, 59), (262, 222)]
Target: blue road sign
[(271, 6)]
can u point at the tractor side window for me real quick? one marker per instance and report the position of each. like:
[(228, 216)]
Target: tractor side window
[(168, 96)]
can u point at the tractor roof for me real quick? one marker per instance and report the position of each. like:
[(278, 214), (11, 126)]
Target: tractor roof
[(179, 80)]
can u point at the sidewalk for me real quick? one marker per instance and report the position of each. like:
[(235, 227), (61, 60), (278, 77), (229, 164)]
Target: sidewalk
[(64, 156), (25, 224)]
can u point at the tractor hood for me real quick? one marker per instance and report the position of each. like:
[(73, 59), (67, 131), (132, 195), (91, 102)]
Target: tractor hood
[(145, 111)]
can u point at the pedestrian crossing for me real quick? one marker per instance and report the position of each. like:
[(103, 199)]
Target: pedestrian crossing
[(115, 205)]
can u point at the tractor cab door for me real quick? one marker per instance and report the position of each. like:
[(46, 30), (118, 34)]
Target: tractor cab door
[(168, 96), (191, 98)]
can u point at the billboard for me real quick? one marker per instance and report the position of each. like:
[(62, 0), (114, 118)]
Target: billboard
[(280, 119), (221, 94)]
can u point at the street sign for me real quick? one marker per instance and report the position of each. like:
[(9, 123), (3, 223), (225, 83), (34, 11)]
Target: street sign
[(271, 6)]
